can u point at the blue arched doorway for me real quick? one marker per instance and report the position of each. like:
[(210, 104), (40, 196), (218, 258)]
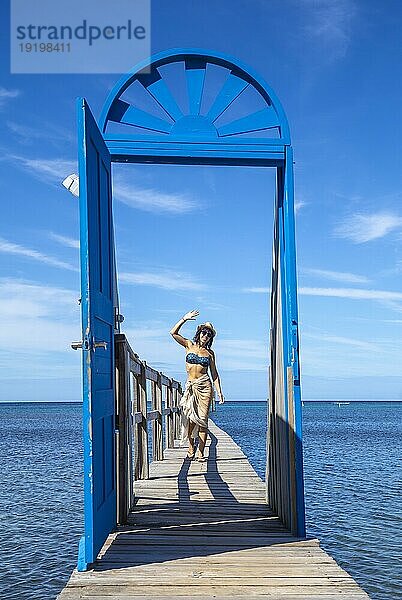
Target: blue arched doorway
[(200, 131)]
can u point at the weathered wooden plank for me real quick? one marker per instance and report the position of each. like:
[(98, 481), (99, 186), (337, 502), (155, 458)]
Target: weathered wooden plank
[(205, 530), (212, 591)]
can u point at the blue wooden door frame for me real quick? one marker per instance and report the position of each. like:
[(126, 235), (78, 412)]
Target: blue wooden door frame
[(193, 139), (97, 310)]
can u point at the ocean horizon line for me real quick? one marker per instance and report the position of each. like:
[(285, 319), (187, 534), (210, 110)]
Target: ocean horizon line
[(304, 400)]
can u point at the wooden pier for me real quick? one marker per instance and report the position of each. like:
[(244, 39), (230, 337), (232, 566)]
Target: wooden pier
[(205, 530)]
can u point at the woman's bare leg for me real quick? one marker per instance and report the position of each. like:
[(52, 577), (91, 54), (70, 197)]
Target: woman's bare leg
[(191, 440), (203, 438)]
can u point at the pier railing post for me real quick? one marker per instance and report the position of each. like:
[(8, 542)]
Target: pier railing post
[(123, 429), (157, 436), (176, 413), (169, 416), (179, 421), (141, 437)]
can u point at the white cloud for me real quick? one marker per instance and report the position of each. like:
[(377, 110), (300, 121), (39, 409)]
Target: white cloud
[(392, 300), (337, 276), (330, 23), (150, 199), (36, 319), (64, 240), (130, 194), (48, 170), (167, 280), (299, 205), (10, 248), (48, 131), (242, 354), (257, 290), (352, 293), (152, 342), (345, 341), (361, 228), (6, 95)]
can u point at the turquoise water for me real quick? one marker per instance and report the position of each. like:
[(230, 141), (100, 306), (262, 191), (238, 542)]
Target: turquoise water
[(352, 478)]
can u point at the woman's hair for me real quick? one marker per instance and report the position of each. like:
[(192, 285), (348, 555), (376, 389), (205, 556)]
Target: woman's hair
[(196, 338)]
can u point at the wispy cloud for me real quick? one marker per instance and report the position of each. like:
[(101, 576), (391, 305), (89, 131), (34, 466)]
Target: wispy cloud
[(152, 200), (242, 354), (151, 340), (345, 341), (391, 320), (16, 249), (48, 170), (256, 290), (48, 131), (6, 95), (330, 23), (361, 227), (352, 293), (337, 276), (299, 205), (64, 240), (392, 299), (38, 318), (167, 280)]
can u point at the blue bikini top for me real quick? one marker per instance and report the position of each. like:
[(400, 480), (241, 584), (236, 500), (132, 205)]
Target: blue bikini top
[(196, 359)]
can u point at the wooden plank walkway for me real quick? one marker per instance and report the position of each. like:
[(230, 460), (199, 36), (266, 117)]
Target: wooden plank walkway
[(204, 530)]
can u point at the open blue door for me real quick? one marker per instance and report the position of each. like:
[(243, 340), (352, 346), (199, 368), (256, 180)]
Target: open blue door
[(97, 255)]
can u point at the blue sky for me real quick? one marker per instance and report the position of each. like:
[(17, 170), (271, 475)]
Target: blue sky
[(201, 237)]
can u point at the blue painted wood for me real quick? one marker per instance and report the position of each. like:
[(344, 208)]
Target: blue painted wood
[(260, 120), (281, 250), (158, 89), (195, 74), (231, 90), (263, 144), (193, 138), (122, 112), (292, 331), (96, 249), (138, 151), (196, 61)]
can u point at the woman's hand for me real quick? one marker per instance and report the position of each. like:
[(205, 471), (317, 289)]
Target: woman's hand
[(221, 400), (190, 316)]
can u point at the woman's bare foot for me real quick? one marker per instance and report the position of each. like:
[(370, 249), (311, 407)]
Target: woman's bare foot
[(200, 456)]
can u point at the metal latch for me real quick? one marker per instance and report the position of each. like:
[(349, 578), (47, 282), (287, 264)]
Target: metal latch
[(99, 345)]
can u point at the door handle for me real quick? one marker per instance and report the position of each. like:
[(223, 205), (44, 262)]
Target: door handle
[(81, 345), (78, 345), (99, 345)]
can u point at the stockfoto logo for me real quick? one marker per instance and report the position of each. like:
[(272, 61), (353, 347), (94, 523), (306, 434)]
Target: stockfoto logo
[(91, 33), (78, 36)]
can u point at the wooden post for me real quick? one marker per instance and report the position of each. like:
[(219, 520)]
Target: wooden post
[(292, 453), (269, 467), (179, 397), (176, 413), (141, 438), (169, 416), (157, 437), (123, 439)]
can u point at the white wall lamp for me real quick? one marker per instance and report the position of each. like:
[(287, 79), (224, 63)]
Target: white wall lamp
[(72, 184)]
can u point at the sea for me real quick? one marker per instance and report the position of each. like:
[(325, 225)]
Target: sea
[(352, 475)]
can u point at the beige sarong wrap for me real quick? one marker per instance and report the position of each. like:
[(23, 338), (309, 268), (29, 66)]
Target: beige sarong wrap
[(195, 404)]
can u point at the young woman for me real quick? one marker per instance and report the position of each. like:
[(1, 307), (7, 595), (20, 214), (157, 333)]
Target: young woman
[(198, 392)]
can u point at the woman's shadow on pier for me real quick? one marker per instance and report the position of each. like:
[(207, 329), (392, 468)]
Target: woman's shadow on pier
[(169, 530)]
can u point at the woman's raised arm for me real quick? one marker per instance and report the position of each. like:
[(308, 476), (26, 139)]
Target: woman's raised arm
[(174, 332)]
